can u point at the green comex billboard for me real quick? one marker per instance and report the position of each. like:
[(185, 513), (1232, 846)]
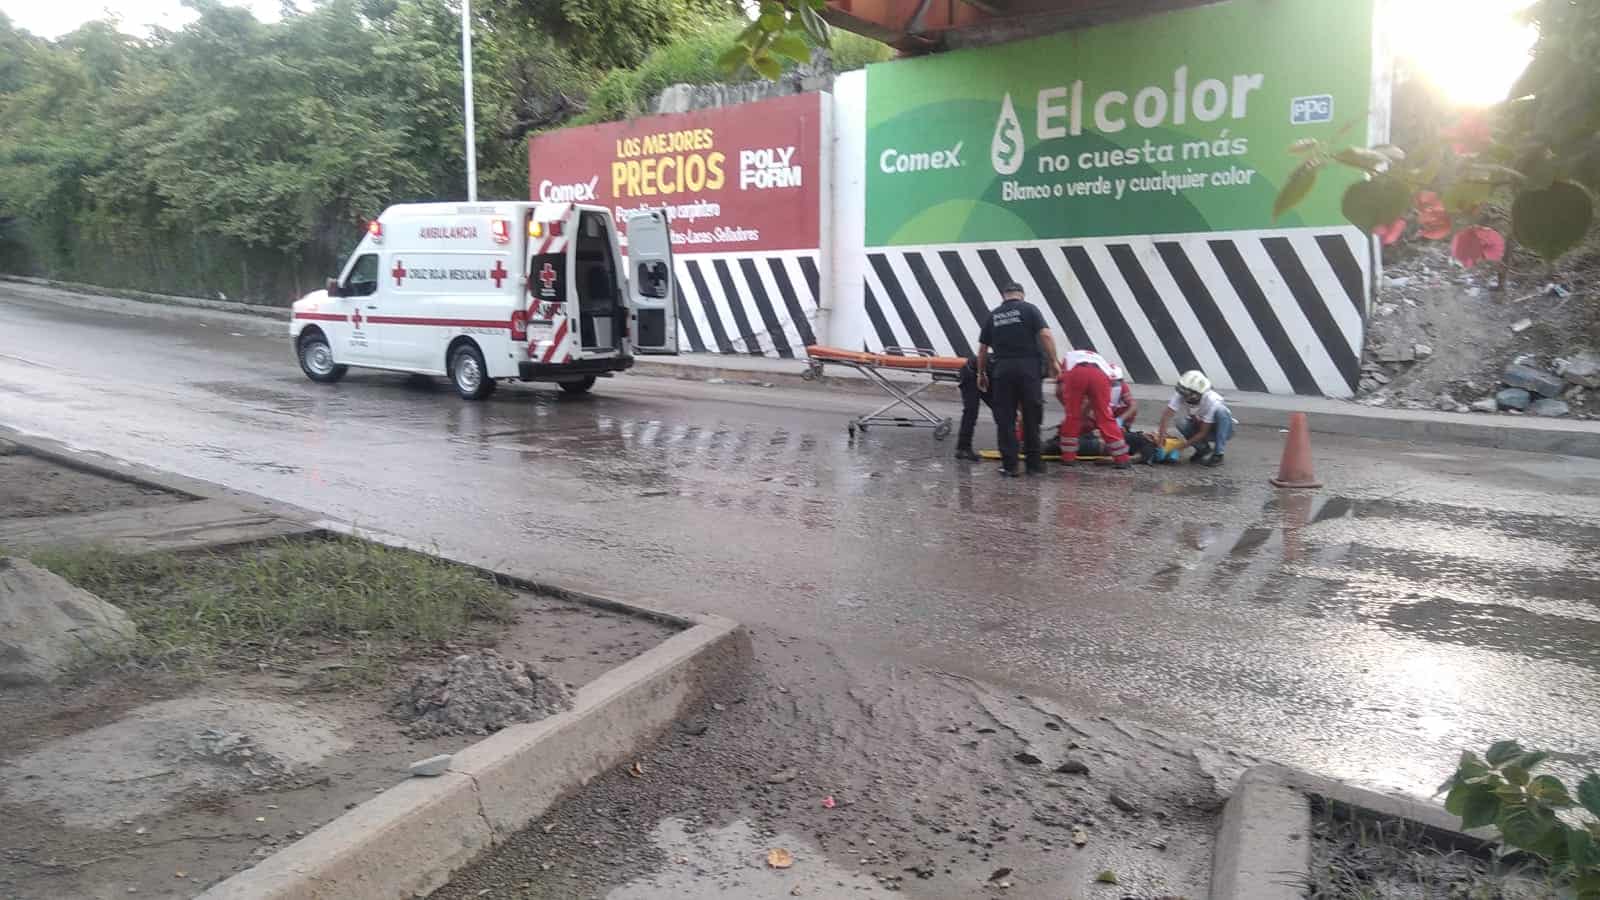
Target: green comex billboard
[(1174, 123)]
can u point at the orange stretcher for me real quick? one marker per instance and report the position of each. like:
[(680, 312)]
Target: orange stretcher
[(896, 359)]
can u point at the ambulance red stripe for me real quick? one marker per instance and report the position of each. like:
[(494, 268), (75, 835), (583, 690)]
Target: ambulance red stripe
[(322, 317), (442, 323), (555, 341)]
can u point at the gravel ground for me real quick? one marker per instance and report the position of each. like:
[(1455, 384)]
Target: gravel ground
[(939, 787)]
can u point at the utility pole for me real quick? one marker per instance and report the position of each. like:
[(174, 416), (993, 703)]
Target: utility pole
[(466, 84)]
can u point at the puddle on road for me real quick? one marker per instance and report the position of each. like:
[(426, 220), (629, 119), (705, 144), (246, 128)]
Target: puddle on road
[(731, 862)]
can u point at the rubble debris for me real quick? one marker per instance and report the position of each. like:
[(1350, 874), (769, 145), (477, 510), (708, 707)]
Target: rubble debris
[(431, 767), (1513, 398), (479, 693), (1582, 369), (1544, 406), (1519, 375)]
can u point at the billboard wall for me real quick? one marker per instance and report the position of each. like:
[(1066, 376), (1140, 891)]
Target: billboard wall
[(743, 188), (1125, 174)]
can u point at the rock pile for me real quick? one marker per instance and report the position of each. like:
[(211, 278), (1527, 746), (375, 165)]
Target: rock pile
[(479, 693)]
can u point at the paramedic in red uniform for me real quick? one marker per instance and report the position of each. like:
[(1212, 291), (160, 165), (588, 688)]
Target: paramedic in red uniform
[(1087, 378), (1023, 348), (1123, 409)]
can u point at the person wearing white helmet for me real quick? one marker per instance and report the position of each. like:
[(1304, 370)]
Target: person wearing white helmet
[(1207, 422)]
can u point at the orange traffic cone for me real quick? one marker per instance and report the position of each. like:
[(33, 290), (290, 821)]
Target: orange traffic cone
[(1295, 471)]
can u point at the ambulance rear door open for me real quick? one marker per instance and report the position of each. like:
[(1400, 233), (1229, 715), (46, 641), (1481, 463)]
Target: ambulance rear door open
[(550, 297), (652, 286)]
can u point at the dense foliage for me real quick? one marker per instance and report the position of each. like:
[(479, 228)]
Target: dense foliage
[(240, 157)]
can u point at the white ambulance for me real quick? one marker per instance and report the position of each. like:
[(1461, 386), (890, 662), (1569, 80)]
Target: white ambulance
[(494, 291)]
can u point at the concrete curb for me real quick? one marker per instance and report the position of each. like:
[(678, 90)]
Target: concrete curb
[(407, 841), (95, 290), (1263, 849)]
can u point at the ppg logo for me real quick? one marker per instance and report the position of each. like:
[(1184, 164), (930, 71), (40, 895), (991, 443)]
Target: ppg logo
[(1306, 110)]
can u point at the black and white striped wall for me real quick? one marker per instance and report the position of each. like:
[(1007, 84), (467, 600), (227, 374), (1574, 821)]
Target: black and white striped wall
[(1281, 311), (759, 304)]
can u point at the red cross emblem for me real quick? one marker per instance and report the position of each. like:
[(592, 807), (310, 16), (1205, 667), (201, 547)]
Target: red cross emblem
[(498, 273), (399, 272), (547, 275), (356, 318)]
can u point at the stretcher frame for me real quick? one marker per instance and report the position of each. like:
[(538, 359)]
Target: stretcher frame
[(894, 359)]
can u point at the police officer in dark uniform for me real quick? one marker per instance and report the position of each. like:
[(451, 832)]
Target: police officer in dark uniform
[(971, 397), (1023, 349)]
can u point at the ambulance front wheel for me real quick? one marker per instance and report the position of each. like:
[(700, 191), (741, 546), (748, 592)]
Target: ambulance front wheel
[(469, 374), (316, 359)]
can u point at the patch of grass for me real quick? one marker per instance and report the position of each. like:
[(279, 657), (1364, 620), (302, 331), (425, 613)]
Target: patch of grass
[(285, 599), (1362, 859)]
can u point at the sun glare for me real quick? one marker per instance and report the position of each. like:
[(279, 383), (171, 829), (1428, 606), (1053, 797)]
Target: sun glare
[(1472, 50)]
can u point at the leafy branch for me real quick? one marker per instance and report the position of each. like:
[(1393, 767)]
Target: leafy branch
[(784, 29), (1533, 813)]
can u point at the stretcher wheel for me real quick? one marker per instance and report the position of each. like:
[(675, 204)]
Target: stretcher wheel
[(941, 430)]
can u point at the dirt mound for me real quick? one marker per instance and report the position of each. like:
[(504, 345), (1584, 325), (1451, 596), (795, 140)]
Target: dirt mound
[(479, 693), (1442, 337)]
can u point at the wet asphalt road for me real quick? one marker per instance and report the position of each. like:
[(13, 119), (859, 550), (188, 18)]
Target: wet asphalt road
[(1429, 599)]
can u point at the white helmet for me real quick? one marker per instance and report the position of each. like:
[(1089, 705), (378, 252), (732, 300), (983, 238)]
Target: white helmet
[(1194, 381), (1116, 372)]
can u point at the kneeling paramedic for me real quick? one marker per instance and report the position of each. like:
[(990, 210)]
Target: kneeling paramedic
[(1087, 382), (1091, 442), (1023, 347), (1207, 424)]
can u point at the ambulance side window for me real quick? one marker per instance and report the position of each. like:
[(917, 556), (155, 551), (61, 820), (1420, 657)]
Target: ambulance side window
[(363, 280)]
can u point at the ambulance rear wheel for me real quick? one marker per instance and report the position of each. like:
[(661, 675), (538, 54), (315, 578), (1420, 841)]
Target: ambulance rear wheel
[(316, 359), (469, 374), (578, 387)]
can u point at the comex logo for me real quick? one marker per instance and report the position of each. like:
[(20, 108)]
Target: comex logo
[(550, 192), (1005, 151), (893, 162), (1310, 110)]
